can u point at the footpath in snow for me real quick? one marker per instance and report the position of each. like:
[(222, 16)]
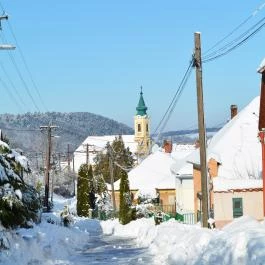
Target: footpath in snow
[(49, 243)]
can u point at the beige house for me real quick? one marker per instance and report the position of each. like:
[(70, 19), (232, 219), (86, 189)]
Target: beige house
[(234, 169)]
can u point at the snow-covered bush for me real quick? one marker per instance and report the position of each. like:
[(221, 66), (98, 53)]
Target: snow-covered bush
[(19, 202), (104, 205), (145, 203), (66, 217)]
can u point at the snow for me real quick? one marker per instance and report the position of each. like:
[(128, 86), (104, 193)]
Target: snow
[(226, 184), (4, 144), (153, 173), (241, 242), (50, 243), (18, 194), (98, 144), (237, 149), (261, 66)]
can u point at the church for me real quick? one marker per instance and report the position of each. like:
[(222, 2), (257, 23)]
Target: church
[(139, 143)]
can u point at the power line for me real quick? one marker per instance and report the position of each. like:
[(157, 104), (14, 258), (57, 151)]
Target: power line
[(20, 76), (20, 130), (12, 85), (235, 46), (254, 13), (174, 100), (24, 61), (229, 44), (10, 94)]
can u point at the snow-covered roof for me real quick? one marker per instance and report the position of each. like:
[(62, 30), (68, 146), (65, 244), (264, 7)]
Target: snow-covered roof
[(180, 151), (223, 184), (97, 144), (237, 148), (154, 172), (261, 68), (181, 167)]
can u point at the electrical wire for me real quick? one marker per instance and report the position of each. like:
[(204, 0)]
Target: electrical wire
[(21, 76), (13, 86), (174, 100), (13, 98), (24, 61), (254, 13), (238, 39), (235, 46)]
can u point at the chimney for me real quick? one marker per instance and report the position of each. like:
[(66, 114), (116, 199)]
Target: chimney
[(233, 109), (197, 144), (167, 146)]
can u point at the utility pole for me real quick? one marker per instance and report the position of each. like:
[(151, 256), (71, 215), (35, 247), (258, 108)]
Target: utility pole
[(59, 159), (74, 173), (68, 157), (48, 163), (37, 162), (87, 154), (261, 70), (111, 178), (202, 136)]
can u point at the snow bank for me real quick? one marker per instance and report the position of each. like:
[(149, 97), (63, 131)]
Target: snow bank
[(241, 242), (49, 243)]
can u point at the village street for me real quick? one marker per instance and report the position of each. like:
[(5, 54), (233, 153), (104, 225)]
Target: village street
[(81, 243), (89, 241)]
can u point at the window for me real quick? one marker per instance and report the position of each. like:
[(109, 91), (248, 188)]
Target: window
[(237, 207), (139, 127), (147, 127)]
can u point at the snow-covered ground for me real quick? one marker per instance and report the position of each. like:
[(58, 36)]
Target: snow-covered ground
[(241, 242), (49, 243)]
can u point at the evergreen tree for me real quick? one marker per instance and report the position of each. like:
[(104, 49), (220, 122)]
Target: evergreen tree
[(119, 153), (125, 213), (82, 205), (91, 189)]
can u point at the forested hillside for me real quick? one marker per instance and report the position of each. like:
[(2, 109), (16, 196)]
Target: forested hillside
[(23, 130)]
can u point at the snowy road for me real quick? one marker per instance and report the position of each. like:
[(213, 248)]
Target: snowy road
[(111, 250)]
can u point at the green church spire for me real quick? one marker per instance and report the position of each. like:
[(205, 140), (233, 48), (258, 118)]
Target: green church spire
[(141, 108)]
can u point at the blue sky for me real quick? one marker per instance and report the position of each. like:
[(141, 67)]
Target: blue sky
[(94, 56)]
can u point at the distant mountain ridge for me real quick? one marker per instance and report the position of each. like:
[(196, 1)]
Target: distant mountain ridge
[(23, 130), (185, 136)]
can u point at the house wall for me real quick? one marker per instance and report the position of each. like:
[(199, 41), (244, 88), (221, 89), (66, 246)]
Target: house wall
[(197, 188), (167, 198), (223, 205), (213, 171), (185, 193)]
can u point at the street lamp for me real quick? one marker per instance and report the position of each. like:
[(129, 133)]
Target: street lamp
[(7, 47)]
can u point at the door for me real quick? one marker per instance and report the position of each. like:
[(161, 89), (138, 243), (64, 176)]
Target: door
[(237, 207)]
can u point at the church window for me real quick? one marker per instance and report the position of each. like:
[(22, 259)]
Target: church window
[(139, 128)]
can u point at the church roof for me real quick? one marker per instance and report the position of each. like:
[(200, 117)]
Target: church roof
[(141, 108)]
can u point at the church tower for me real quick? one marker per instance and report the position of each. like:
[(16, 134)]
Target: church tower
[(142, 128)]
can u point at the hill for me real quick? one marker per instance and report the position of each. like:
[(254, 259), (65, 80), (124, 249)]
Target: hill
[(23, 130), (185, 136)]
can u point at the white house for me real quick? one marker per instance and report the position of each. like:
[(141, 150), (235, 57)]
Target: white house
[(94, 144), (234, 166), (154, 175)]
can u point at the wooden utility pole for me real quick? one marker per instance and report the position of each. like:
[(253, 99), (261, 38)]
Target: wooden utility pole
[(68, 157), (48, 164), (112, 179), (261, 70), (202, 136), (87, 154)]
